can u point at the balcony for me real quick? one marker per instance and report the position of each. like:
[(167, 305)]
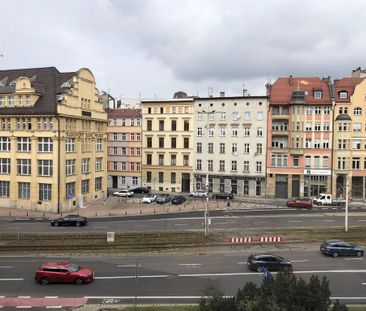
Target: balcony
[(281, 116), (280, 150), (279, 132), (296, 151)]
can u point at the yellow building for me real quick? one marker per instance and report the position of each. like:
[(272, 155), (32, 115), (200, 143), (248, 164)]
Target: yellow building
[(167, 127), (52, 139), (350, 137)]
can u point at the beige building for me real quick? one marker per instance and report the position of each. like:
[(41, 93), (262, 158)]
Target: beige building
[(350, 136), (167, 161), (230, 144), (52, 139)]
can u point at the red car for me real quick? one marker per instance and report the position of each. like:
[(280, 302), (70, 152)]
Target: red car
[(63, 272), (305, 203)]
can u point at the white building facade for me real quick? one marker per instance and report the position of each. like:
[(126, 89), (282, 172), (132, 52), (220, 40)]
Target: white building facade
[(230, 144)]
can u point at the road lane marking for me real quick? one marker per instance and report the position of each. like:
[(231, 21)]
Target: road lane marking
[(329, 220), (190, 264), (25, 297), (99, 227), (132, 277), (260, 222), (51, 297), (242, 263), (360, 220), (300, 260), (11, 279), (180, 224), (353, 258), (295, 220), (23, 307), (6, 267), (128, 266), (53, 307), (363, 283)]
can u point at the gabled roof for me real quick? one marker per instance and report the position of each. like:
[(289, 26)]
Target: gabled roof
[(46, 81), (281, 91), (346, 85), (123, 113)]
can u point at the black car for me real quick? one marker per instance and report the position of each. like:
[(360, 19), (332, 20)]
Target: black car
[(69, 220), (178, 199), (222, 195), (269, 261), (140, 190), (337, 248)]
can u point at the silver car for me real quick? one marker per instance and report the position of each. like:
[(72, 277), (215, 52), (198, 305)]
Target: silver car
[(198, 194)]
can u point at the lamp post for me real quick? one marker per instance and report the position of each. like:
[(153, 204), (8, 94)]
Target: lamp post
[(346, 208)]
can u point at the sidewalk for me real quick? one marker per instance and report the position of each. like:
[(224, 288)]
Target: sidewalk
[(114, 206)]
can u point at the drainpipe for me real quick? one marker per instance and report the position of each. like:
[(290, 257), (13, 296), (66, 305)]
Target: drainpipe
[(58, 163)]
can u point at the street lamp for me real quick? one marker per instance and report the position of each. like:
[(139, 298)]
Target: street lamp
[(207, 219)]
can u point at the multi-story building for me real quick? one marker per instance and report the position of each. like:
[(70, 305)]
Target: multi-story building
[(52, 139), (349, 164), (230, 144), (299, 141), (124, 148), (167, 143)]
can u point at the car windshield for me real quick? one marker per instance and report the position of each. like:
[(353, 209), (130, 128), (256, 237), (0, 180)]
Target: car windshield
[(73, 267)]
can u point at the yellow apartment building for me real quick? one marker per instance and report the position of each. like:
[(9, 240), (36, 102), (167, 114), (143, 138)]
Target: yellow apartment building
[(52, 139), (167, 127)]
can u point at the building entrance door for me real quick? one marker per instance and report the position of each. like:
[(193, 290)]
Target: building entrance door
[(281, 186), (114, 181), (186, 181)]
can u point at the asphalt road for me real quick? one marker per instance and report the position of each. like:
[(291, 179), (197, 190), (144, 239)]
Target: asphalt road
[(176, 278), (235, 219)]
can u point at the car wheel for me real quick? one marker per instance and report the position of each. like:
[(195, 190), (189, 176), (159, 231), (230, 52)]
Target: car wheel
[(359, 254), (45, 281), (79, 281), (78, 224), (56, 224), (335, 254), (320, 203)]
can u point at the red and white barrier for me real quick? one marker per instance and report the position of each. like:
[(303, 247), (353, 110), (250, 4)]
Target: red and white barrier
[(270, 239), (246, 239)]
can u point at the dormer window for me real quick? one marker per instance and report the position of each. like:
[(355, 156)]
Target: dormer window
[(318, 94), (27, 99), (2, 101), (11, 101), (343, 94)]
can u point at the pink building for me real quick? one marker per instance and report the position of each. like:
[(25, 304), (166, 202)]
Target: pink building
[(299, 140)]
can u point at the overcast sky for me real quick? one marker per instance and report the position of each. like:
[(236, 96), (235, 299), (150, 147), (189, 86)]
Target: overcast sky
[(152, 48)]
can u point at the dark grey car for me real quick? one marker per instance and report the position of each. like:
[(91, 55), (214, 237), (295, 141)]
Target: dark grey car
[(163, 198), (337, 248), (269, 261), (69, 220)]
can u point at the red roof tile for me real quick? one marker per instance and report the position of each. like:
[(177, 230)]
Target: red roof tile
[(282, 89), (124, 113), (348, 85)]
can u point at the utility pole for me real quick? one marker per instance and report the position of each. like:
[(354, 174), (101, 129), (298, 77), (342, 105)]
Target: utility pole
[(346, 208)]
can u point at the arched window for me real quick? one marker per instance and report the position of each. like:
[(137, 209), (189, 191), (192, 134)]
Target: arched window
[(357, 111)]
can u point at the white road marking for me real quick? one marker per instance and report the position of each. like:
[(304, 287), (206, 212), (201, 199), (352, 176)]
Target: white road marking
[(295, 220), (99, 227), (50, 296), (6, 267), (128, 266), (53, 307), (11, 279), (24, 297), (329, 220), (363, 283), (242, 263), (357, 258), (23, 307), (180, 224), (260, 222), (132, 277), (190, 264), (360, 220), (300, 260)]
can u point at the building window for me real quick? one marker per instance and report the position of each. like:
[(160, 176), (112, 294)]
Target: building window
[(161, 142), (246, 167), (161, 177), (341, 163), (317, 127), (148, 176), (222, 131), (45, 167), (259, 131), (161, 110), (173, 143), (138, 137), (211, 117), (259, 116), (258, 187), (222, 166), (45, 144), (186, 125), (246, 148), (174, 109), (124, 166), (199, 147), (210, 132), (234, 148), (149, 142), (308, 127), (327, 110), (308, 143), (98, 164), (24, 190), (98, 183), (149, 159), (234, 166), (23, 166), (325, 162), (70, 145), (132, 150), (357, 127), (24, 144), (173, 159), (115, 166), (210, 148), (161, 159), (45, 192), (124, 137), (4, 188), (317, 94), (199, 165), (70, 167), (296, 161), (235, 116), (4, 166), (246, 131), (318, 110), (210, 165), (99, 145), (11, 101), (199, 131), (199, 116), (70, 190), (309, 110), (326, 127), (4, 144), (356, 163), (356, 144), (307, 161), (259, 149), (279, 160), (174, 125), (85, 186), (234, 132), (222, 116), (316, 161), (186, 143), (343, 94), (161, 125), (185, 160), (247, 116), (149, 125), (2, 101), (173, 177), (135, 181), (222, 147), (85, 165), (317, 143), (258, 166)]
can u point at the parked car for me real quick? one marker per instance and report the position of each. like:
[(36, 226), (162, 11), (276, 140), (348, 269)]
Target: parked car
[(306, 203), (269, 261), (163, 198), (178, 199), (149, 198), (337, 248), (69, 220), (328, 199), (222, 195), (198, 194), (123, 193), (63, 272), (140, 190)]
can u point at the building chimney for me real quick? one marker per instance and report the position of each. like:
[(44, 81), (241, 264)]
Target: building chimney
[(268, 87), (290, 80), (222, 94), (245, 92)]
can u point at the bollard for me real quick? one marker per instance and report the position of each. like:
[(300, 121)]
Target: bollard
[(140, 212), (179, 208), (9, 214), (154, 211), (43, 214), (126, 213), (78, 214), (167, 210), (96, 213), (193, 207), (27, 213), (110, 214)]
